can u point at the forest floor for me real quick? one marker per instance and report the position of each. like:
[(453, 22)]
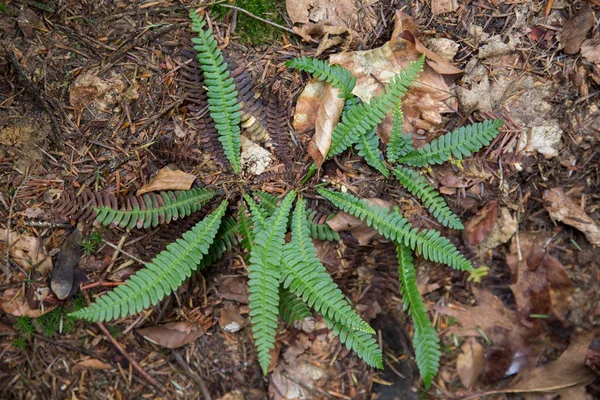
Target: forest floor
[(91, 99)]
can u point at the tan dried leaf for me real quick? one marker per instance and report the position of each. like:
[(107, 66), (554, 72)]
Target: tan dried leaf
[(562, 208), (168, 179), (93, 363), (328, 116), (25, 250), (481, 224), (443, 6), (590, 50), (359, 229), (171, 335), (576, 29), (307, 106), (231, 320), (13, 302), (297, 10), (469, 363)]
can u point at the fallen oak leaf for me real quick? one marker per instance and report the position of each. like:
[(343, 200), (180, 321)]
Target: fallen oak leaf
[(171, 335), (168, 179), (328, 115)]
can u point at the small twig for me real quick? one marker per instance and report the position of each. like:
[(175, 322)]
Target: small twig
[(72, 348), (196, 377), (120, 250), (9, 223), (131, 360)]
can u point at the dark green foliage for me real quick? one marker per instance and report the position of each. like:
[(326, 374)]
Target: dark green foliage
[(338, 76), (24, 325), (392, 225), (368, 147), (362, 118), (435, 203), (164, 274), (157, 208), (291, 308), (222, 96), (263, 280), (91, 243), (460, 143), (399, 143), (303, 273), (363, 343), (425, 340)]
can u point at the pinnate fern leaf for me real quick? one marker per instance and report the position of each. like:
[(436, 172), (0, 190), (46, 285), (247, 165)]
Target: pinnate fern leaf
[(156, 208), (362, 343), (392, 225), (264, 276), (337, 75), (222, 95), (435, 203), (399, 144), (291, 308), (164, 274), (368, 147), (459, 143), (425, 340), (362, 118), (303, 273)]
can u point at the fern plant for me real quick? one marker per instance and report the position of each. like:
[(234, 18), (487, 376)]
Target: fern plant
[(287, 279)]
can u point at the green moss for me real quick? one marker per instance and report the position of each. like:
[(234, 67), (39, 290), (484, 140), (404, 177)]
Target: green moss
[(250, 30), (25, 326), (19, 343)]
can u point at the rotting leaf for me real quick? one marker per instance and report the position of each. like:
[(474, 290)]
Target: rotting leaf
[(168, 179), (469, 363), (561, 208), (481, 224), (443, 6), (328, 115), (25, 250), (172, 335), (93, 363), (13, 302), (67, 260), (297, 10), (359, 228), (576, 29), (231, 320)]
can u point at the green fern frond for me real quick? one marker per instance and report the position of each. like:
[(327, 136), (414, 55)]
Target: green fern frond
[(157, 209), (259, 216), (362, 343), (337, 75), (425, 340), (228, 232), (368, 147), (392, 225), (222, 95), (399, 144), (435, 203), (364, 117), (291, 308), (303, 273), (164, 274), (320, 231), (264, 277), (268, 202), (460, 143), (244, 227)]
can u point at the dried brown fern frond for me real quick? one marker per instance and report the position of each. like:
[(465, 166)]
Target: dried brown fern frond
[(168, 151), (277, 124)]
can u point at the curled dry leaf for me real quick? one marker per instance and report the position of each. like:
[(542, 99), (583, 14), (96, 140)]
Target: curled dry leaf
[(469, 363), (562, 208), (172, 335), (359, 229), (328, 115), (93, 363), (168, 179), (307, 106), (25, 250), (478, 227)]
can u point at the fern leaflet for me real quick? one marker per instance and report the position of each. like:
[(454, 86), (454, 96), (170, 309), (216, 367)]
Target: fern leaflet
[(259, 216), (425, 340), (303, 274), (368, 147), (460, 142), (164, 274), (264, 277), (157, 209), (364, 117), (392, 225), (435, 203), (363, 343), (244, 226), (291, 308), (337, 75), (222, 96), (399, 143)]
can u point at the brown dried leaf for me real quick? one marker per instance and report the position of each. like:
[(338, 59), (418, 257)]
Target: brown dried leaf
[(168, 179), (234, 288), (231, 320), (576, 29), (359, 229), (443, 6), (568, 370), (27, 251), (13, 302), (308, 106), (171, 335), (93, 363), (328, 116), (562, 208), (590, 50), (481, 224), (469, 363), (297, 10)]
